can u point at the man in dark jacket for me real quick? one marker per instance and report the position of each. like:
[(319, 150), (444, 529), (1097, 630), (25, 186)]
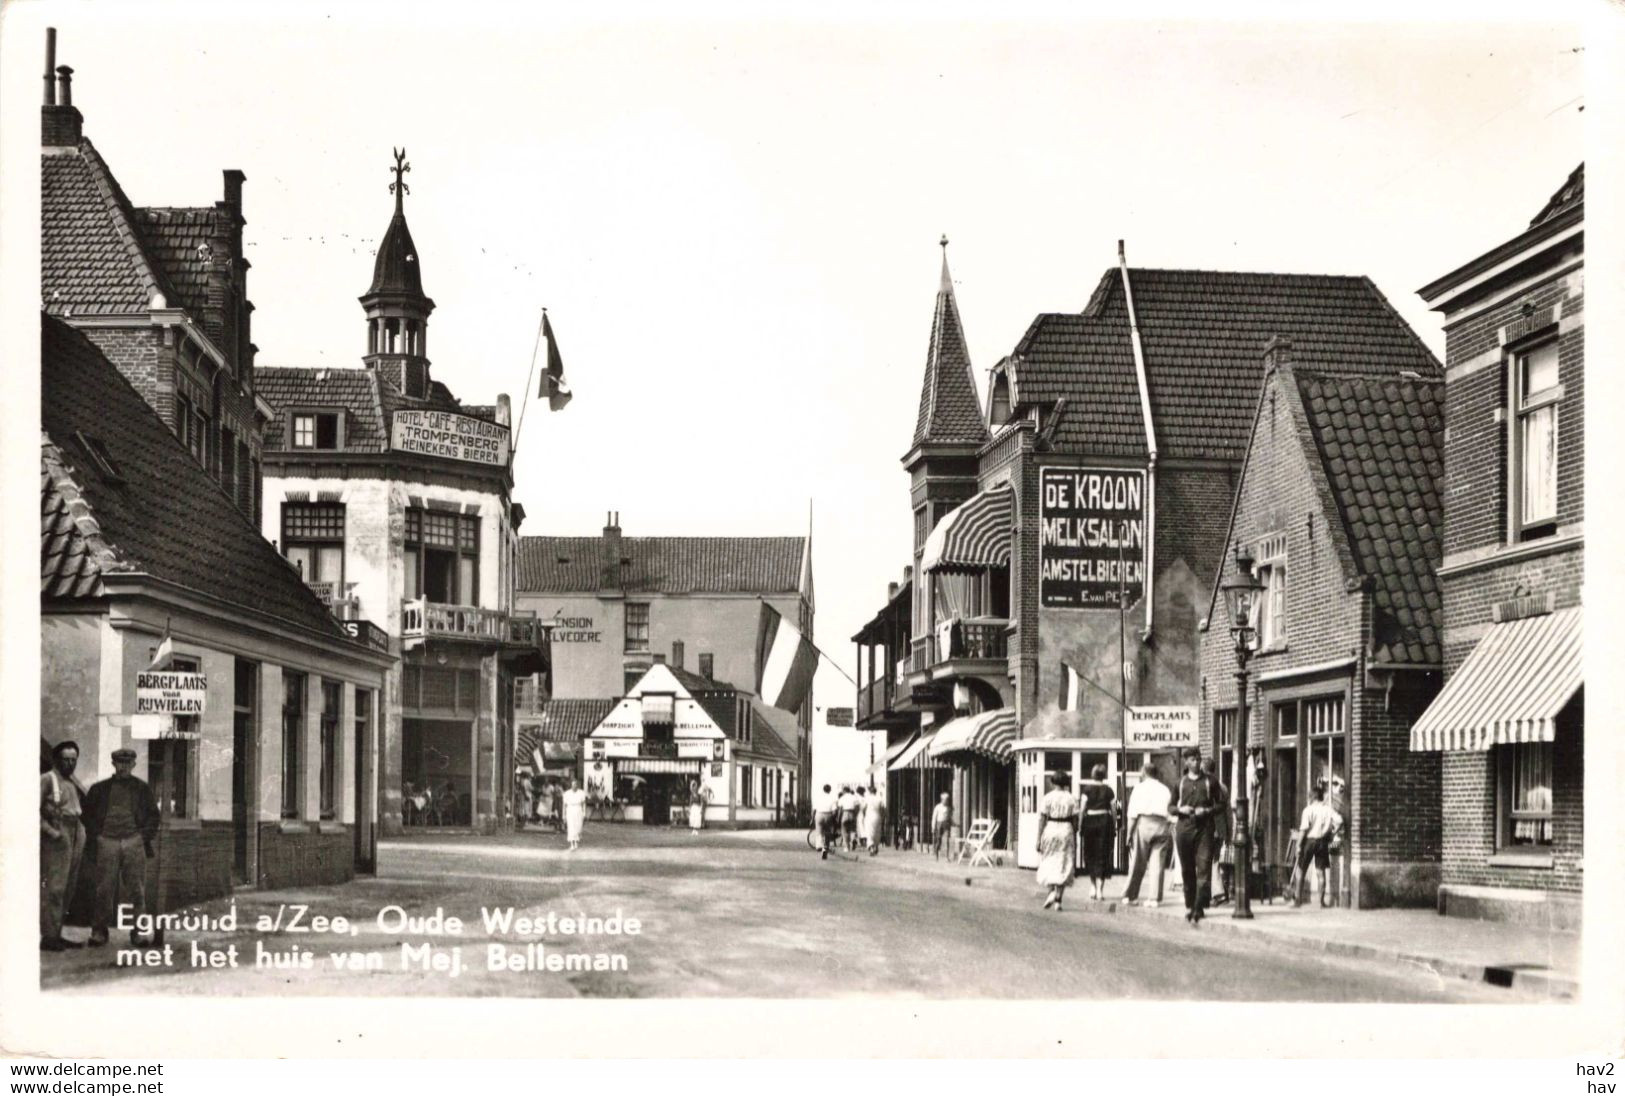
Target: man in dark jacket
[(121, 824), (1193, 835)]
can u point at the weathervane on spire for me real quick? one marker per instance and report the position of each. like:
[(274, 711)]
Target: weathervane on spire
[(944, 242), (399, 187)]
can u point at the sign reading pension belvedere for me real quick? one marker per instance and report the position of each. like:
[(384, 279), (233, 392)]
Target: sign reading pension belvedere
[(1091, 543), (443, 434)]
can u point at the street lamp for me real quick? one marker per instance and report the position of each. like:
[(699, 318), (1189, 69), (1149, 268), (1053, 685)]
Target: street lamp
[(1240, 596)]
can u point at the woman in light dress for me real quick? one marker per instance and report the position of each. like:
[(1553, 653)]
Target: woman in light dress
[(575, 813), (874, 815), (696, 806), (1057, 839)]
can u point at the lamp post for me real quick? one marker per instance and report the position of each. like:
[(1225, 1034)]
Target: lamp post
[(1240, 596)]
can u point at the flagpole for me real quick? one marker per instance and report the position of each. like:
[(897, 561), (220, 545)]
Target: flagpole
[(529, 379)]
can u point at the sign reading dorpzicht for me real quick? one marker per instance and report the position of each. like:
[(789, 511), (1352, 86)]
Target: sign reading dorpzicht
[(1159, 728), (170, 693), (444, 434), (1091, 543)]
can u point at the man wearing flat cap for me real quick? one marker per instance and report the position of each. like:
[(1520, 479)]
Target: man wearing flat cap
[(121, 822)]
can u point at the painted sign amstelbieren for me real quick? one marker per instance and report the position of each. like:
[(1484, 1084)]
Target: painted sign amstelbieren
[(444, 434), (1091, 545), (1159, 728)]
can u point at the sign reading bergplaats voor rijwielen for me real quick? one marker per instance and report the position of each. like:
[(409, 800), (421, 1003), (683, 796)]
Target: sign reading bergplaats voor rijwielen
[(448, 435), (1159, 728), (1091, 538)]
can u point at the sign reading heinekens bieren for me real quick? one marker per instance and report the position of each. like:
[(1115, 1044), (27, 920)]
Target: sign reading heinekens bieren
[(1159, 728), (170, 693), (444, 434), (1091, 543)]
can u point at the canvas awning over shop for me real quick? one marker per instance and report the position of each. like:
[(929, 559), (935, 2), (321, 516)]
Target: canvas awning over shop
[(914, 755), (652, 765), (973, 536), (893, 751), (1510, 689), (991, 734)]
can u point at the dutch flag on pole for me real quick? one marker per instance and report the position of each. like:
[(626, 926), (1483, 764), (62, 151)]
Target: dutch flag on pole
[(1071, 689), (785, 661)]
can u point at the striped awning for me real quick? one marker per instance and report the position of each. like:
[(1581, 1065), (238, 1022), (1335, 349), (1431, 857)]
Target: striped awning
[(974, 536), (991, 734), (914, 755), (1510, 689), (647, 765), (892, 753)]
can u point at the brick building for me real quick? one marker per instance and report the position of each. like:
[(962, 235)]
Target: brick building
[(620, 606), (1338, 505), (394, 500), (149, 484), (1114, 439), (1509, 725)]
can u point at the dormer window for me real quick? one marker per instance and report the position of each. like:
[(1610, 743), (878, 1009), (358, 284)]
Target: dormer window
[(315, 430), (998, 401)]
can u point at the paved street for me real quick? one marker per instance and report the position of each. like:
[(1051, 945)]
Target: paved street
[(750, 914)]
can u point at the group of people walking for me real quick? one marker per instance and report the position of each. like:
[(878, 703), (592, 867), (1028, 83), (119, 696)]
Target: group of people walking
[(549, 800), (1195, 819), (1062, 819), (852, 818)]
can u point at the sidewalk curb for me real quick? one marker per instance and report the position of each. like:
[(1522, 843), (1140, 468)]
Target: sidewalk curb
[(1541, 982)]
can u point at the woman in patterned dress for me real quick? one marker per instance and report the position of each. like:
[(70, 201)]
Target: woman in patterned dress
[(1057, 839)]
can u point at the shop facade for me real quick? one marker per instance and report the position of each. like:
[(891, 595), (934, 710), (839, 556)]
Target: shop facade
[(394, 500), (1508, 728), (1338, 511)]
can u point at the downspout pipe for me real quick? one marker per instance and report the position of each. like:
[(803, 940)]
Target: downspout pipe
[(1150, 442)]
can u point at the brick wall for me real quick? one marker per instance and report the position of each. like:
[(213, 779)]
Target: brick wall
[(305, 859), (139, 355)]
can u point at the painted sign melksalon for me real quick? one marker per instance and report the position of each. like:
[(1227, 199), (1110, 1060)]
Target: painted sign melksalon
[(455, 437), (1091, 544)]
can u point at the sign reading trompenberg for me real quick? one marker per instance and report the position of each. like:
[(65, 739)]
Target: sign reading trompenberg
[(170, 693), (1159, 728), (443, 434), (1091, 544)]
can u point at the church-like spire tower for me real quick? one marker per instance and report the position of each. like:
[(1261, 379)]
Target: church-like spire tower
[(397, 309)]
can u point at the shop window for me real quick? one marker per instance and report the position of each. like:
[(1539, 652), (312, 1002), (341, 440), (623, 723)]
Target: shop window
[(442, 556), (313, 541), (328, 779), (1524, 772), (1328, 762), (637, 626), (1270, 571), (1224, 743), (171, 773), (315, 429), (1536, 393), (293, 725)]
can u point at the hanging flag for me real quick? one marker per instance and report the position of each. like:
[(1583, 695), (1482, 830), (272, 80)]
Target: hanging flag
[(785, 661), (554, 386), (1071, 689), (166, 651)]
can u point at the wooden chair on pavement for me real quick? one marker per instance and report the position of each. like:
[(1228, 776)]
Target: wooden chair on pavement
[(977, 844)]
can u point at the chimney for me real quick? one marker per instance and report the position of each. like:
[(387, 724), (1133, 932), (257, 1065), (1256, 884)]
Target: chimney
[(504, 409), (908, 573), (61, 124), (891, 592), (609, 575), (677, 653), (1277, 352), (708, 666)]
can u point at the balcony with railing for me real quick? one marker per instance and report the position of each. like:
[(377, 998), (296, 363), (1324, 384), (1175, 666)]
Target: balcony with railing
[(977, 647), (425, 620)]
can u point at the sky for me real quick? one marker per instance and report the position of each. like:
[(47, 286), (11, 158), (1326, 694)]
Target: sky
[(734, 220)]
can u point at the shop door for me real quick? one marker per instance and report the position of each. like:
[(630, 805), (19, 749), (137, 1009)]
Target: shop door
[(243, 782), (657, 801), (1029, 789)]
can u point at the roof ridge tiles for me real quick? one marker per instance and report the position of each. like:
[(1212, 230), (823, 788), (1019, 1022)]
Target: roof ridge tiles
[(124, 223)]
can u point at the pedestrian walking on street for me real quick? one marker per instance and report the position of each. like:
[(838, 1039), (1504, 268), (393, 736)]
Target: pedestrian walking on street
[(1223, 827), (1057, 839), (824, 820), (848, 806), (62, 844), (697, 796), (874, 821), (942, 826), (860, 832), (1193, 836), (121, 825), (1099, 807), (1148, 822), (574, 805), (1318, 825)]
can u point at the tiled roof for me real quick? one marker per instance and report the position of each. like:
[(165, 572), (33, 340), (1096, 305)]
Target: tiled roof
[(160, 514), (564, 720), (353, 390), (178, 240), (949, 409), (1380, 442), (93, 259), (666, 565), (1571, 193), (772, 731), (1204, 334), (397, 269)]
